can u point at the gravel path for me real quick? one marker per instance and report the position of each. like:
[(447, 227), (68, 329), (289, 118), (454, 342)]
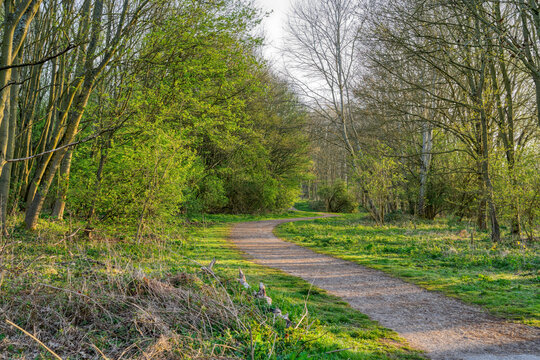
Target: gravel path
[(444, 327)]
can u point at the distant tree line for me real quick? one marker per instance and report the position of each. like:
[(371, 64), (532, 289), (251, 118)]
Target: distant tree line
[(132, 110), (429, 107)]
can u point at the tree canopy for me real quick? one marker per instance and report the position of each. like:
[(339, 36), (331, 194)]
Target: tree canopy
[(134, 111)]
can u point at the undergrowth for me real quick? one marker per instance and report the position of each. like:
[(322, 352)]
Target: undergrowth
[(104, 295)]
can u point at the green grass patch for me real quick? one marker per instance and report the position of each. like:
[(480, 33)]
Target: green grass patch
[(212, 219), (438, 255), (150, 299), (305, 205)]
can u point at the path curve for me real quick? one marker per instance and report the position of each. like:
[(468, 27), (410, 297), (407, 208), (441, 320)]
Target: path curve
[(446, 328)]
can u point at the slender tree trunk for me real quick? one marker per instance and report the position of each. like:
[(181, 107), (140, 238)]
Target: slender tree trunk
[(41, 168), (481, 222), (427, 144), (515, 225), (9, 125), (536, 79), (529, 47), (17, 19), (60, 203), (506, 126), (34, 208), (495, 230), (22, 169), (97, 186), (6, 59), (6, 173)]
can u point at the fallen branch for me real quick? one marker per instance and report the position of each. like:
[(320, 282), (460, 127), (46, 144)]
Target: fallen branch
[(35, 338), (100, 352), (208, 268)]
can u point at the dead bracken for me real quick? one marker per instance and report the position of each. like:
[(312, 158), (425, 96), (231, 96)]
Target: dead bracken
[(131, 316)]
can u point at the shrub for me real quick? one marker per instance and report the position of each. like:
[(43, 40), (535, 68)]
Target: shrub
[(337, 198)]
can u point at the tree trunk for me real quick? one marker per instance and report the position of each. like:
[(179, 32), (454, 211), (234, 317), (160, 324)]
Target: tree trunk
[(6, 58), (60, 203), (6, 170), (35, 205), (536, 79), (99, 176), (481, 214), (506, 127), (427, 144), (488, 187), (17, 19), (9, 125)]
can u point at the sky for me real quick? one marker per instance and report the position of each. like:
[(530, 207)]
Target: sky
[(274, 26)]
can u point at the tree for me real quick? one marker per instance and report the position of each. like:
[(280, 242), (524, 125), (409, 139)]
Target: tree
[(323, 47), (90, 65)]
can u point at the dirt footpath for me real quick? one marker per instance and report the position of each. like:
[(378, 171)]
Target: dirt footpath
[(444, 327)]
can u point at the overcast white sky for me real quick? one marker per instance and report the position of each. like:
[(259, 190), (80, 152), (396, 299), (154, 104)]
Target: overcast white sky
[(274, 25)]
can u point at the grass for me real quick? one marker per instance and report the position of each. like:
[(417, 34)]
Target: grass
[(110, 296), (212, 219), (304, 206), (438, 255)]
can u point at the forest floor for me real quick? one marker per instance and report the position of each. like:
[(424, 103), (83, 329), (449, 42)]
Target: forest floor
[(444, 327), (108, 295)]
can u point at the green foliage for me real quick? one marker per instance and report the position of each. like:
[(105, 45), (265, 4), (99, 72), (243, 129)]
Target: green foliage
[(517, 191), (207, 128), (309, 205), (438, 255), (146, 179), (378, 178), (337, 198)]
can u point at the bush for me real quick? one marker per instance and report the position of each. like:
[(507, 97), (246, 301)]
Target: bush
[(337, 198), (310, 205)]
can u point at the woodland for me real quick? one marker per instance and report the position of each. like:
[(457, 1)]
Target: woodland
[(126, 111), (134, 134), (432, 110)]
